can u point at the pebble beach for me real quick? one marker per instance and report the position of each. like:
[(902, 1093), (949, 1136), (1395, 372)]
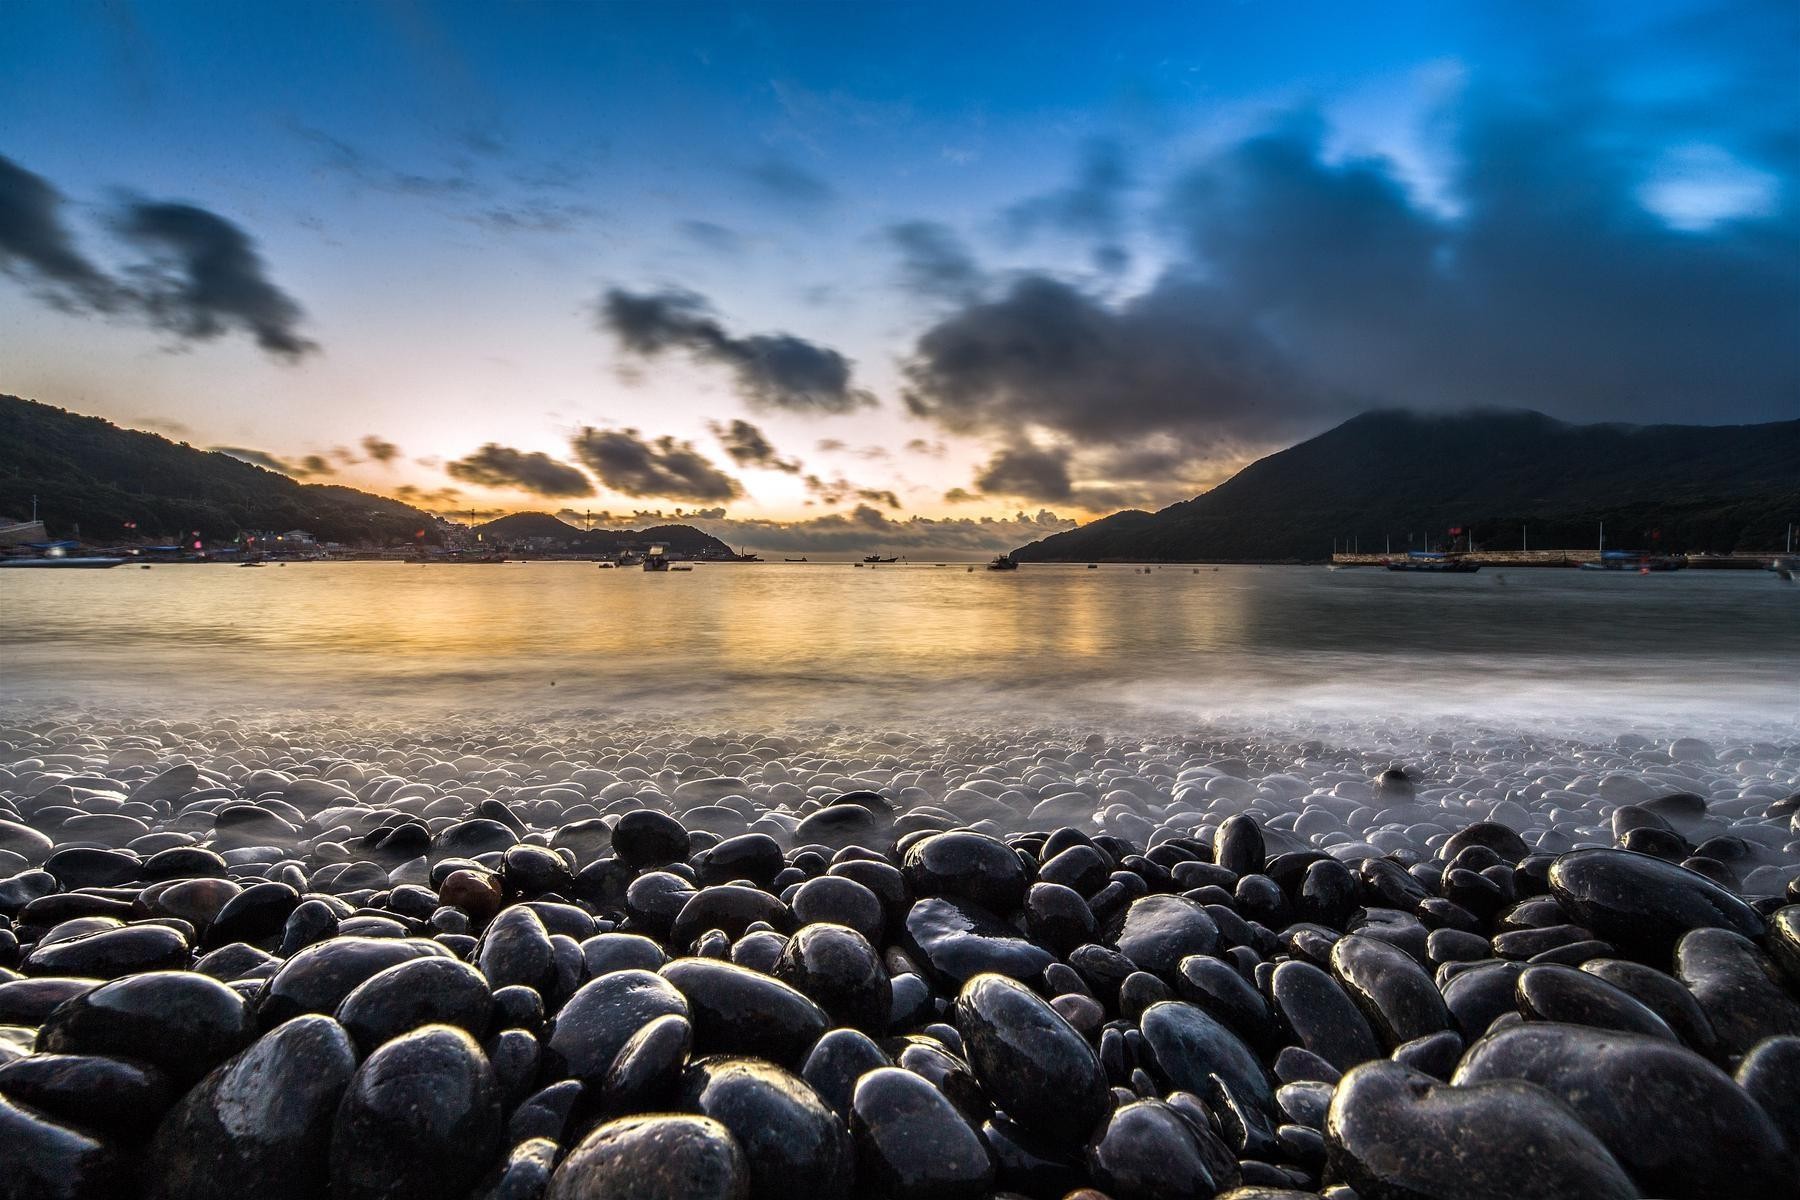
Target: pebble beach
[(467, 957)]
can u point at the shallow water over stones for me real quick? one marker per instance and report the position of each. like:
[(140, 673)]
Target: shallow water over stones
[(506, 967)]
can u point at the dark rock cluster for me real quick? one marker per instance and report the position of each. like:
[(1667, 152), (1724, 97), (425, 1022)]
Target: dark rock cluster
[(429, 977)]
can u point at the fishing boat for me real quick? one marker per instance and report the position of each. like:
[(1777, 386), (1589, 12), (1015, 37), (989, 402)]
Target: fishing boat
[(1432, 562), (656, 558), (793, 560), (876, 558), (1003, 562)]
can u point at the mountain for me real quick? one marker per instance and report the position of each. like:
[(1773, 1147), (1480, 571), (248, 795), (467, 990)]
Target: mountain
[(1505, 475), (91, 475), (682, 540)]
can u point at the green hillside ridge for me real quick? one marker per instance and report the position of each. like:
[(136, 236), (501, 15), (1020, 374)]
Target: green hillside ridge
[(1676, 488)]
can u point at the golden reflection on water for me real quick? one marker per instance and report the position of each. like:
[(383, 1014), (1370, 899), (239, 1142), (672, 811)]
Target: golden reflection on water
[(896, 642)]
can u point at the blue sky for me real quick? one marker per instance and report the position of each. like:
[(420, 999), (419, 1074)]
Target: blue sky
[(1074, 257)]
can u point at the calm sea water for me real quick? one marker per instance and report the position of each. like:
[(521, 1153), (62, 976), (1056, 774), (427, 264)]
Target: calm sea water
[(1553, 651)]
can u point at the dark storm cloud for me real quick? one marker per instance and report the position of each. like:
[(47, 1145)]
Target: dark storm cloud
[(662, 467), (497, 466), (1310, 287), (1045, 353), (749, 447), (317, 464), (379, 449), (790, 185), (775, 370), (36, 246), (934, 262), (207, 278), (1028, 472)]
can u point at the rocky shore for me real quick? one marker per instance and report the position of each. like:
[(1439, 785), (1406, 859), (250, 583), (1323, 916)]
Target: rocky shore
[(248, 959)]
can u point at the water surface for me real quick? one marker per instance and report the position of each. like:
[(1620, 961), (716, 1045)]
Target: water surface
[(1556, 651)]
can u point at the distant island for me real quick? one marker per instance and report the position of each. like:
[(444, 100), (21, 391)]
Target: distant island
[(102, 484), (1504, 480)]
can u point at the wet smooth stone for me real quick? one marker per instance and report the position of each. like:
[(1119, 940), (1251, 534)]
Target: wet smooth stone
[(646, 1071), (419, 1120), (654, 1158), (738, 1011), (911, 1143), (516, 949), (1030, 1061), (956, 941), (1159, 931), (546, 1112), (1392, 990), (840, 971), (1738, 987), (1663, 995), (832, 899), (1393, 1132), (1239, 847), (1575, 997), (1322, 1015), (836, 1062), (1478, 995), (321, 976), (1767, 1075), (731, 908), (646, 838), (255, 914), (963, 865), (794, 1144), (752, 856), (112, 953), (514, 1055), (1216, 986), (1149, 1151), (311, 922), (477, 893), (1189, 1045), (47, 1161), (601, 1017), (607, 952), (1783, 943), (840, 825), (1057, 916), (181, 1021), (422, 991), (111, 1095), (524, 1174), (260, 1125), (1305, 1103), (1436, 1054), (1642, 903), (1680, 1125), (31, 1001)]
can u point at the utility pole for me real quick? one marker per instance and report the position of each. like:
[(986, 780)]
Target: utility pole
[(1603, 537), (1525, 538)]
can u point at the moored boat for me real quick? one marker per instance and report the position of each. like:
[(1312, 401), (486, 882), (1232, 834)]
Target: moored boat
[(1003, 562), (1433, 562)]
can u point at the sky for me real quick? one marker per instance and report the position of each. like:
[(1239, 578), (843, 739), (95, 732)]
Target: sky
[(908, 276)]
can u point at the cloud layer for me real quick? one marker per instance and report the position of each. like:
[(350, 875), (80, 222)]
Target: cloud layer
[(772, 371), (498, 466), (202, 276), (663, 467)]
